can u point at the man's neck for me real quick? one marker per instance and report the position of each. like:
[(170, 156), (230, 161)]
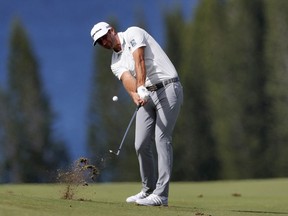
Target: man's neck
[(117, 48)]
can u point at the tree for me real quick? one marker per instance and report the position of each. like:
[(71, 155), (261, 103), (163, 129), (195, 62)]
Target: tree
[(2, 131), (223, 123), (31, 150), (246, 140), (276, 50), (175, 30), (199, 41)]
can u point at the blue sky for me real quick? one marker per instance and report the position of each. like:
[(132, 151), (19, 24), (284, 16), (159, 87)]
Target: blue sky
[(59, 31)]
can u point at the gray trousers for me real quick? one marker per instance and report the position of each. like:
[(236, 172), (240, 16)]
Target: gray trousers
[(154, 125)]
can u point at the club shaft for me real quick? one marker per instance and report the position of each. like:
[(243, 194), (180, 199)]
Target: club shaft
[(125, 134)]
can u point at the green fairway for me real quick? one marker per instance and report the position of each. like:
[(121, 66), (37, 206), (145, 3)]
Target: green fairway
[(249, 197)]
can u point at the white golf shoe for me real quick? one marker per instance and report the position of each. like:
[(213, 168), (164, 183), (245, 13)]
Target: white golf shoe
[(139, 196), (153, 200)]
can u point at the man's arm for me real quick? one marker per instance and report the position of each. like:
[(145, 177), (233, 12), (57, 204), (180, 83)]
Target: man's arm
[(140, 68), (129, 83), (136, 86)]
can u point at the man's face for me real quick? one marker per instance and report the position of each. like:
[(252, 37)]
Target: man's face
[(107, 41)]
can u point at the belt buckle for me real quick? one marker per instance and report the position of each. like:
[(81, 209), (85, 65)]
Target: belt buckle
[(153, 88)]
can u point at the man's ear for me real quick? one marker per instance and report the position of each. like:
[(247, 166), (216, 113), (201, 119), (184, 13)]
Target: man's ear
[(113, 31)]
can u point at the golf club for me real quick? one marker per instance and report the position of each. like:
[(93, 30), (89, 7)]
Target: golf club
[(125, 134)]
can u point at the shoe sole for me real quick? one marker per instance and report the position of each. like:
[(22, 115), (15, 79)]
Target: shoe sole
[(162, 205)]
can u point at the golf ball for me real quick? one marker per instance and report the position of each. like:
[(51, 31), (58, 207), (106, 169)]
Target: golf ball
[(115, 98)]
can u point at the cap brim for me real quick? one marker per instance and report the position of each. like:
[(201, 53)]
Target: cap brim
[(99, 36)]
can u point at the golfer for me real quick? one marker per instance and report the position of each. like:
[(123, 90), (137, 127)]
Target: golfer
[(151, 80)]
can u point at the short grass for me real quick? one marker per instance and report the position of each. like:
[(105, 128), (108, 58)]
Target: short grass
[(221, 198)]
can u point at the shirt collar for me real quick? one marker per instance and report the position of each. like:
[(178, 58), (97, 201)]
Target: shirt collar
[(122, 41)]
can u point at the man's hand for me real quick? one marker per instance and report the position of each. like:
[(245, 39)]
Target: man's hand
[(143, 93), (129, 83), (137, 100)]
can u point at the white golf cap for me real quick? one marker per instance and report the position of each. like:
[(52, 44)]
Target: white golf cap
[(99, 30)]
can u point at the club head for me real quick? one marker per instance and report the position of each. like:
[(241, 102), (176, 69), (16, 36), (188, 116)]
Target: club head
[(115, 153)]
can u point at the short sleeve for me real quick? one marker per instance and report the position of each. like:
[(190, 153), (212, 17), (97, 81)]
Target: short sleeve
[(136, 38), (118, 71)]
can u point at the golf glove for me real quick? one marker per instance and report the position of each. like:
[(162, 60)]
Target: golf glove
[(143, 93)]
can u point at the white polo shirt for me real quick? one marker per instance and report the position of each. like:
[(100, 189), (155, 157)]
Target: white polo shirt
[(158, 65)]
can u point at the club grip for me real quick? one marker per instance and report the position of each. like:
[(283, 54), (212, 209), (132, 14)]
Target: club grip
[(138, 106)]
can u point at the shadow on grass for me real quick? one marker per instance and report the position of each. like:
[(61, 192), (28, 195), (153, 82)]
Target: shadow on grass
[(260, 212)]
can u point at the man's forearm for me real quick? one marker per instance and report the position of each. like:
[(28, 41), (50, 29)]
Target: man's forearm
[(129, 83), (140, 67)]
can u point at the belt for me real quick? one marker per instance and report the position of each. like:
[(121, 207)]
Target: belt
[(162, 84)]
